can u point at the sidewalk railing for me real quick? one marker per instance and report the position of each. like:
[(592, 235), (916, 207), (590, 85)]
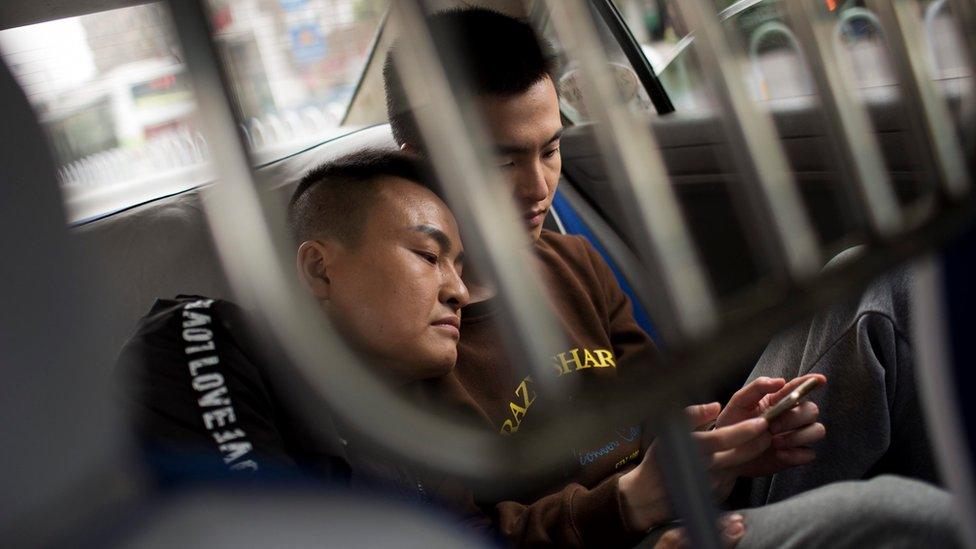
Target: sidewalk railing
[(117, 178)]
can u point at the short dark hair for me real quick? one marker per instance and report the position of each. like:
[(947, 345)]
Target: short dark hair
[(504, 55), (333, 200)]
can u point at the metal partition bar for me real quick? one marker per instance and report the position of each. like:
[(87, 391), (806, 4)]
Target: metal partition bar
[(937, 386), (964, 12), (902, 26), (756, 38), (639, 181), (847, 120), (770, 190), (457, 146), (249, 231)]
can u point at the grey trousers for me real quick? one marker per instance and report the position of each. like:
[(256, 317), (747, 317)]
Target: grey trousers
[(885, 511), (869, 406), (848, 497), (875, 426)]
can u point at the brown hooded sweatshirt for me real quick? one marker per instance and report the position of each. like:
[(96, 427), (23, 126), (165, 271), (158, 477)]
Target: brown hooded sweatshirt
[(597, 320)]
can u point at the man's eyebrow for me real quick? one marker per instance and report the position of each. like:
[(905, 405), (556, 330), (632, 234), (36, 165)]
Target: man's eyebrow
[(516, 149), (442, 239)]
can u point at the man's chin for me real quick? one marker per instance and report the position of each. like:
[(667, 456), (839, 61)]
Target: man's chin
[(434, 363), (405, 374), (535, 233), (436, 368)]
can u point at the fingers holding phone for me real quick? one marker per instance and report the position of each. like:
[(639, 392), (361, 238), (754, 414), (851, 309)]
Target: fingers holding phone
[(729, 446), (791, 394), (793, 418), (727, 449), (793, 424), (748, 401), (798, 438)]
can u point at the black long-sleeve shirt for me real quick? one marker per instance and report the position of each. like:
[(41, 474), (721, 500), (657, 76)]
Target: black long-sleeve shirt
[(202, 399)]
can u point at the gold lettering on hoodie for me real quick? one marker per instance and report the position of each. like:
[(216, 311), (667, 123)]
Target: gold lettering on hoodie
[(564, 363), (526, 398), (591, 358)]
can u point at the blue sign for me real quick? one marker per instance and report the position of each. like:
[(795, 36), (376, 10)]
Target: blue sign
[(307, 43), (292, 5)]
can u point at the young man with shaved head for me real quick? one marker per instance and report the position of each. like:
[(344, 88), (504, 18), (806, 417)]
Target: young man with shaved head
[(616, 493)]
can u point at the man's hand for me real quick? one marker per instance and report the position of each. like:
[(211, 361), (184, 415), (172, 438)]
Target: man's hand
[(741, 443), (726, 449), (793, 431), (645, 500), (731, 528)]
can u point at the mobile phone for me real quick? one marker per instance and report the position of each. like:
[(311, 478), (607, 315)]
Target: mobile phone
[(792, 399)]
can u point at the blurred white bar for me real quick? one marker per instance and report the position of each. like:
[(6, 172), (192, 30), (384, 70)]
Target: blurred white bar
[(847, 119), (789, 241), (477, 192), (938, 389), (640, 183), (964, 12), (249, 230), (903, 28)]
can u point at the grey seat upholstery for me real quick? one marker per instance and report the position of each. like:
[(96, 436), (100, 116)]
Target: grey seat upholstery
[(164, 248)]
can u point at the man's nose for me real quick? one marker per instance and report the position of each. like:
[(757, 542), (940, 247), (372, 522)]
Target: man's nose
[(531, 186), (453, 291)]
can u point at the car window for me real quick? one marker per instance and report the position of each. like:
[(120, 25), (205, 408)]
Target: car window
[(294, 65), (776, 73), (663, 40), (369, 104), (111, 90), (569, 83), (771, 67), (774, 66)]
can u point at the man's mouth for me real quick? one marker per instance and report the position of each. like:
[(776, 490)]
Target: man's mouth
[(449, 324), (535, 217)]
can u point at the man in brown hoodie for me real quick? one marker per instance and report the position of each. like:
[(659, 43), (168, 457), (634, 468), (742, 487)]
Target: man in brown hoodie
[(615, 494)]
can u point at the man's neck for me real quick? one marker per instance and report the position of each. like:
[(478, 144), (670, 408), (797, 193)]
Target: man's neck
[(480, 287)]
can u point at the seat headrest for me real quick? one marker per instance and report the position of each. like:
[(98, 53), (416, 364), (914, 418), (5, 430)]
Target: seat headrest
[(285, 174), (164, 247)]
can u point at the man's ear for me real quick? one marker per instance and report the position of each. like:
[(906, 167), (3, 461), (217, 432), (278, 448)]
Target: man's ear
[(314, 260)]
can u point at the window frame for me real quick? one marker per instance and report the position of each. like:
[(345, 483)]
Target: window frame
[(611, 16)]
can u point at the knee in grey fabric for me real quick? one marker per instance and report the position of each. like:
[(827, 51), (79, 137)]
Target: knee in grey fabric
[(886, 511), (870, 406)]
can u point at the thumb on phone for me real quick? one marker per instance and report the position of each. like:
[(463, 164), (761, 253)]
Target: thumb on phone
[(700, 415)]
